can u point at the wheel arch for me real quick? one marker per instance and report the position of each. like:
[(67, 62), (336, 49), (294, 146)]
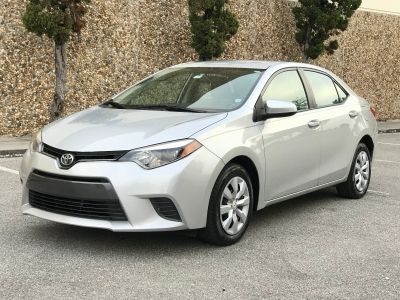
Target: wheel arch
[(245, 147), (251, 169), (369, 142)]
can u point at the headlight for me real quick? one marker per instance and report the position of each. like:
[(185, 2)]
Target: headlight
[(36, 144), (162, 154)]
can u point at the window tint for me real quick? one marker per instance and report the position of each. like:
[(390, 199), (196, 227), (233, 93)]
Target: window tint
[(324, 89), (342, 94), (287, 86)]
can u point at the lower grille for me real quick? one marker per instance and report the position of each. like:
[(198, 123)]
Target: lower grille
[(110, 210), (166, 209)]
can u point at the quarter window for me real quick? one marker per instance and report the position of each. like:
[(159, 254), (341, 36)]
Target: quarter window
[(341, 93), (287, 86), (323, 88)]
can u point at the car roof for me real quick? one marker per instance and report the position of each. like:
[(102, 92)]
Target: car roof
[(249, 64)]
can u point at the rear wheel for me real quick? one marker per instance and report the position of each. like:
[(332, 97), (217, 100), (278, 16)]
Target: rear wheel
[(360, 174), (230, 207)]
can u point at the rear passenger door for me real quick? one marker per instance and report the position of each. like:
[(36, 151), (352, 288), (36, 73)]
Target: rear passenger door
[(337, 119)]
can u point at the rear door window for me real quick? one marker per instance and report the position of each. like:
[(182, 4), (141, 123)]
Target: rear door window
[(324, 89)]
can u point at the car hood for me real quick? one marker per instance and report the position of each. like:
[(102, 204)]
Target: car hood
[(108, 129)]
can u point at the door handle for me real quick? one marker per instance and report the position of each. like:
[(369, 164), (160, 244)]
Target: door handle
[(313, 124), (353, 114)]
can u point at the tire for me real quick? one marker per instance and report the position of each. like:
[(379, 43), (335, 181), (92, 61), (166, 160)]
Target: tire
[(236, 211), (357, 184)]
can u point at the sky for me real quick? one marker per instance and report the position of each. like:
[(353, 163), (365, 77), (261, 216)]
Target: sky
[(382, 5)]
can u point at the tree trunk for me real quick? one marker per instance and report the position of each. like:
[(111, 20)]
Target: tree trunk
[(61, 68), (306, 58)]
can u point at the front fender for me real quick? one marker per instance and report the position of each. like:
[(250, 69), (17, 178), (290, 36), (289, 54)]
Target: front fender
[(246, 142)]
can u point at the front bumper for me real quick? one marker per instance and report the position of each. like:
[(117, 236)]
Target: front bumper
[(188, 183)]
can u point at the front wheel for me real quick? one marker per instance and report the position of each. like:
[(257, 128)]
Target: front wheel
[(230, 207), (360, 175)]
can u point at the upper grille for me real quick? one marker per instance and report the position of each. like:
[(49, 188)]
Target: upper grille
[(81, 156), (110, 210)]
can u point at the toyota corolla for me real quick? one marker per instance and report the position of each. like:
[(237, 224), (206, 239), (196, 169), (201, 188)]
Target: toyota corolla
[(201, 146)]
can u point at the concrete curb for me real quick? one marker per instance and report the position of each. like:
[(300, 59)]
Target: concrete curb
[(392, 126), (393, 130), (12, 153), (14, 146)]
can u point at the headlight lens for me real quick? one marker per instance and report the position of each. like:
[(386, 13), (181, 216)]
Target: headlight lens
[(162, 154), (36, 143)]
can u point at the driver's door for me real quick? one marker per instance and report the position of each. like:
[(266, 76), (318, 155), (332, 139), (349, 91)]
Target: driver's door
[(291, 144)]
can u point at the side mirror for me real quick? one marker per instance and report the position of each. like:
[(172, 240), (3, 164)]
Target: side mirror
[(274, 109)]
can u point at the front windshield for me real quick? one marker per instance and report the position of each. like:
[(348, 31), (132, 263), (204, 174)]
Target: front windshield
[(203, 89)]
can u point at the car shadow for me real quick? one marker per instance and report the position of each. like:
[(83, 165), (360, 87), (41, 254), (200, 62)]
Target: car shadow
[(294, 207), (90, 240)]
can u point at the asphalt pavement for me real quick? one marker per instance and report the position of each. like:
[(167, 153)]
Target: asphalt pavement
[(317, 246)]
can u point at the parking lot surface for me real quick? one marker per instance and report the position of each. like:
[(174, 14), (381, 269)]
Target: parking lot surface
[(315, 246)]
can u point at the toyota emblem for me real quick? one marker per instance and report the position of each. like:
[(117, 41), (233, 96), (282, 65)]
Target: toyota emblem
[(67, 159)]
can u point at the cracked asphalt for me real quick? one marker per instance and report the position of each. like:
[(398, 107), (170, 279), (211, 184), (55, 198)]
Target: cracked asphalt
[(317, 246)]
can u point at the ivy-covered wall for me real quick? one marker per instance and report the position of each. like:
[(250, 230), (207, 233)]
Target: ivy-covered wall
[(126, 40)]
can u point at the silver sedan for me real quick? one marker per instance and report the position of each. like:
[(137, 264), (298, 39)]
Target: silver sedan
[(201, 146)]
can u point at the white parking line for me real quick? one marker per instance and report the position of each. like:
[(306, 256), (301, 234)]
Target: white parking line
[(378, 192), (388, 161), (391, 144), (9, 170)]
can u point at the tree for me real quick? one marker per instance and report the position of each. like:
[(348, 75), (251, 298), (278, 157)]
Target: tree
[(58, 20), (318, 20), (212, 24)]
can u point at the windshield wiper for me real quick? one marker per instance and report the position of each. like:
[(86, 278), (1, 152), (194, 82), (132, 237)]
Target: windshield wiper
[(185, 109), (168, 108), (112, 103)]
